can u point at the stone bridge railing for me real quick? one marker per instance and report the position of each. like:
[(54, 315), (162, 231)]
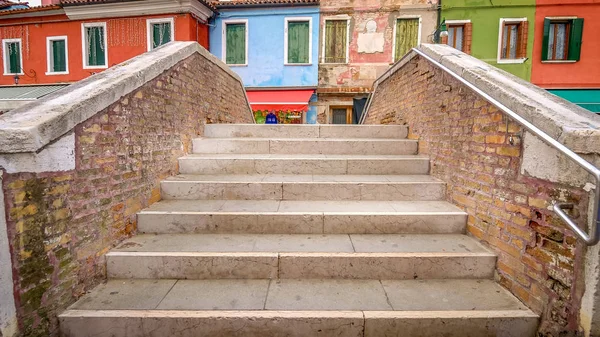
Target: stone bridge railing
[(506, 178), (78, 165)]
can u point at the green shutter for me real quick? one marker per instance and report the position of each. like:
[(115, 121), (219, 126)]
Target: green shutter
[(59, 61), (14, 57), (161, 34), (575, 39), (545, 39), (298, 42), (235, 50), (96, 47), (407, 36), (336, 33)]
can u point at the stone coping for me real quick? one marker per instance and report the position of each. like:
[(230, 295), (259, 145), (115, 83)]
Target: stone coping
[(33, 126), (571, 125)]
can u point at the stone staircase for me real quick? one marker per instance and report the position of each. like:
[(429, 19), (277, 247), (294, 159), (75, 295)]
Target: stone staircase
[(301, 231)]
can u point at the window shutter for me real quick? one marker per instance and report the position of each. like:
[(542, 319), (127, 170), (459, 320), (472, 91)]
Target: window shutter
[(522, 41), (59, 62), (335, 41), (545, 39), (407, 35), (298, 42), (14, 59), (236, 43), (575, 40)]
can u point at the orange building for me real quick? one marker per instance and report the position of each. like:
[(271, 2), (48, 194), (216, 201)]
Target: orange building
[(71, 40), (565, 52)]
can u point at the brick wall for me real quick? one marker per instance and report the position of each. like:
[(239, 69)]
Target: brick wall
[(61, 224), (539, 260)]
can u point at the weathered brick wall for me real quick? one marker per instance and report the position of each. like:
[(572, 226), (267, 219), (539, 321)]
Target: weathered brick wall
[(61, 224), (539, 260)]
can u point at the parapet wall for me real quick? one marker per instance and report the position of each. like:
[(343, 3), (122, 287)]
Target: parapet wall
[(504, 178), (90, 156)]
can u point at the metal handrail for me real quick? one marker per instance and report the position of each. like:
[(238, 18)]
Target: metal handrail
[(594, 236)]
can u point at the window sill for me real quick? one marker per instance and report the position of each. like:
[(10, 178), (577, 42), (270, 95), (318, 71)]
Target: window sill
[(52, 73), (334, 64), (13, 74), (95, 67), (559, 61), (511, 61), (297, 64), (238, 65)]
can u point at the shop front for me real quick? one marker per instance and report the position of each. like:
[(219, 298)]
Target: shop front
[(289, 106)]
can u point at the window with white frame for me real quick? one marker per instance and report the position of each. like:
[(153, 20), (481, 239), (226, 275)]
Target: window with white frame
[(512, 40), (235, 42), (57, 55), (335, 41), (95, 51), (13, 56), (562, 39), (298, 41), (160, 31)]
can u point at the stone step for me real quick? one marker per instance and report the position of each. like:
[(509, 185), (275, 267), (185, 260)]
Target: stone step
[(305, 146), (304, 131), (356, 256), (303, 164), (301, 187), (298, 307), (301, 217)]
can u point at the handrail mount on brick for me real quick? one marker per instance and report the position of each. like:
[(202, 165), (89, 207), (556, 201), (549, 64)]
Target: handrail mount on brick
[(591, 238)]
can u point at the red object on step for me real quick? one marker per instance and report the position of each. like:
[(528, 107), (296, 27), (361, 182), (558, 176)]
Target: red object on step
[(276, 100)]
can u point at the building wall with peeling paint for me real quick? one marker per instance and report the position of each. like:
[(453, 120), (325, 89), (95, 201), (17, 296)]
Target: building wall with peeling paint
[(370, 53)]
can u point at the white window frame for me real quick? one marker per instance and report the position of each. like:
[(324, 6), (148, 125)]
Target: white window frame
[(150, 31), (49, 41), (401, 17), (5, 56), (224, 46), (285, 43), (336, 18), (84, 47), (500, 60), (458, 23)]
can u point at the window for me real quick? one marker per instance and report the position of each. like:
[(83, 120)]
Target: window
[(56, 49), (341, 115), (13, 56), (235, 47), (335, 48), (94, 45), (459, 35), (298, 41), (562, 39), (407, 35), (512, 43), (160, 31)]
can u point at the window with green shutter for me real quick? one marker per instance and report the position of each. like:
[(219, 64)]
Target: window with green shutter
[(235, 43), (12, 57), (161, 34), (336, 41), (407, 36), (562, 39), (58, 56), (95, 46), (298, 42)]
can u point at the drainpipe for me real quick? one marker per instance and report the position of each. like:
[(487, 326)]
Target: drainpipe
[(436, 35)]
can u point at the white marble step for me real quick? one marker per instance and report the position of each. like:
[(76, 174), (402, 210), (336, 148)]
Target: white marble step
[(298, 307), (304, 131), (302, 217), (356, 256), (357, 146), (302, 187), (303, 164)]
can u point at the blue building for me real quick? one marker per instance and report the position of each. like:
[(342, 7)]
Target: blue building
[(273, 45)]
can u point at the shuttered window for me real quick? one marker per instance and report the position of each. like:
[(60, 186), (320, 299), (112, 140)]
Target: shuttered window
[(12, 57), (298, 42), (562, 40), (336, 41), (161, 34), (58, 56), (407, 36), (95, 46), (235, 49), (513, 39)]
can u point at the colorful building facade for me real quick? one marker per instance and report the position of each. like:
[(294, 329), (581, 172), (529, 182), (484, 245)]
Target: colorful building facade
[(66, 42), (359, 39), (273, 46)]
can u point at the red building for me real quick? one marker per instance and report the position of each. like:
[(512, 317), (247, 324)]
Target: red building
[(68, 41)]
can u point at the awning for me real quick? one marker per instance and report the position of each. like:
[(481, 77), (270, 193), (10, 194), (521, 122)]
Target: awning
[(585, 98), (294, 100)]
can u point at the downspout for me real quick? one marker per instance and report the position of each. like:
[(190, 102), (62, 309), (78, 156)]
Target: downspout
[(436, 36)]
